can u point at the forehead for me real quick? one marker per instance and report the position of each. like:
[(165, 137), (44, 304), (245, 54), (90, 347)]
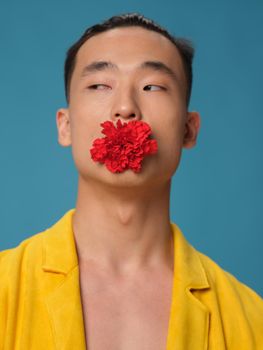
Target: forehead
[(129, 46)]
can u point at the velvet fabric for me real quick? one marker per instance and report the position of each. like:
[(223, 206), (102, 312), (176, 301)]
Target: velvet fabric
[(40, 302)]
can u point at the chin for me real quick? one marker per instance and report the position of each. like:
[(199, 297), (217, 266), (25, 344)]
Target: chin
[(152, 174), (100, 175), (127, 178)]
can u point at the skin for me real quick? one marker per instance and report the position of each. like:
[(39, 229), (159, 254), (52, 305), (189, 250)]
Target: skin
[(122, 224)]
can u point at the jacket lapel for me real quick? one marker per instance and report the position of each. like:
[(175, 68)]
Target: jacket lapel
[(189, 317), (62, 292)]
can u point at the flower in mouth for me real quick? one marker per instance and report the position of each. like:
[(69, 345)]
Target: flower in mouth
[(124, 145)]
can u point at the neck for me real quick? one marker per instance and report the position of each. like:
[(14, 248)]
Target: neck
[(123, 229)]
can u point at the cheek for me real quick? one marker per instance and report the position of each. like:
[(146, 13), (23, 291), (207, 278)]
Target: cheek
[(170, 145), (169, 133), (166, 116), (84, 129), (90, 105), (85, 123), (82, 132)]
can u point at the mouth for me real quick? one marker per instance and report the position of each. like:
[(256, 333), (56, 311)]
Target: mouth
[(124, 145)]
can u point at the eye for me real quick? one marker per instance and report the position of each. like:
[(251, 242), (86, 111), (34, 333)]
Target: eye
[(98, 87), (156, 88)]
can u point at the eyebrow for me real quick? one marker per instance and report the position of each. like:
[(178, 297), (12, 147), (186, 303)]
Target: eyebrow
[(99, 66)]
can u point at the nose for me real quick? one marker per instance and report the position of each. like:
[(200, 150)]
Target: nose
[(125, 106)]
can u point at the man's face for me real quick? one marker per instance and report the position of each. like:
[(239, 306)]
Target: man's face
[(129, 86)]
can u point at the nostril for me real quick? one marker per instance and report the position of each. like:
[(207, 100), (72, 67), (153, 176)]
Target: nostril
[(132, 115)]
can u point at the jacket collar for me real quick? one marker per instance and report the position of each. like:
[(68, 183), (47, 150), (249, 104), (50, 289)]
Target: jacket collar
[(188, 267), (59, 249), (62, 292), (188, 315), (189, 318)]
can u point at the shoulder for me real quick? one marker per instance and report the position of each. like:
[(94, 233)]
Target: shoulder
[(18, 265), (235, 310), (13, 260), (199, 269), (235, 300), (43, 248), (220, 278)]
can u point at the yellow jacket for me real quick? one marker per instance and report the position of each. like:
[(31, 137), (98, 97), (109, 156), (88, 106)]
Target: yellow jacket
[(40, 303)]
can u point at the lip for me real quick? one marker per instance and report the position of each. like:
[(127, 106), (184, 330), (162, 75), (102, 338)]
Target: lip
[(124, 145)]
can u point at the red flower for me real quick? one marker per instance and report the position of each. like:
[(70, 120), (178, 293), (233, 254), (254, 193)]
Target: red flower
[(124, 146)]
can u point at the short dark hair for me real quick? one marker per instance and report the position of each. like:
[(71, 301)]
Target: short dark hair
[(183, 45)]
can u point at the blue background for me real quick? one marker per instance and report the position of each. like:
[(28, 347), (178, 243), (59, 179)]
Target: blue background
[(217, 192)]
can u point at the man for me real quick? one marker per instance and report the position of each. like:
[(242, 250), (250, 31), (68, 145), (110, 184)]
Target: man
[(115, 273)]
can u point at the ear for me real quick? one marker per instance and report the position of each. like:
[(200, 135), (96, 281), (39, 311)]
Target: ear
[(192, 126), (63, 126)]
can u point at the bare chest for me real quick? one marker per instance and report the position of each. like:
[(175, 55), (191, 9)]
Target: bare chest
[(128, 316)]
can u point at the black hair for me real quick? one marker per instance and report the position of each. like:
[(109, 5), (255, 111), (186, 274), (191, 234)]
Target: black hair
[(184, 46)]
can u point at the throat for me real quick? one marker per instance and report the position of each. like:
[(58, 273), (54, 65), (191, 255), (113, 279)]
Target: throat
[(125, 215)]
